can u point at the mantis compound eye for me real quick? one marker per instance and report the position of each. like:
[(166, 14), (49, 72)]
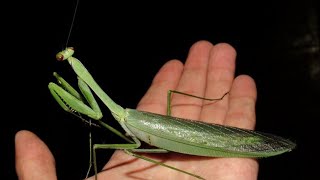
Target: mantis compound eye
[(59, 57)]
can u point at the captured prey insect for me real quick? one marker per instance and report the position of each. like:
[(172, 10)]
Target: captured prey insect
[(164, 132)]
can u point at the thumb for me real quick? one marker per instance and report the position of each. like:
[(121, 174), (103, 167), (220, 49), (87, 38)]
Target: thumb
[(33, 158)]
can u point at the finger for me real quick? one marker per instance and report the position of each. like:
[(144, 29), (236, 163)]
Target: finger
[(242, 101), (33, 158), (219, 81), (192, 81), (155, 99)]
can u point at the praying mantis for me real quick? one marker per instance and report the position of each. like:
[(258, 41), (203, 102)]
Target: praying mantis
[(164, 132)]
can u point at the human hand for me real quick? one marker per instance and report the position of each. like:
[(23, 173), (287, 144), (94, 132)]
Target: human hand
[(208, 72)]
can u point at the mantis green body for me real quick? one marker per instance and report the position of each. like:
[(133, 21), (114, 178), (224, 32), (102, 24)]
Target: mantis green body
[(164, 132)]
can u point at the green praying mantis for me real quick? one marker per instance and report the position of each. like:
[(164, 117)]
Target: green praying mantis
[(164, 132)]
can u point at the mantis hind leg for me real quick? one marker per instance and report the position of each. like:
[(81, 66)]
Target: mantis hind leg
[(131, 152), (169, 95), (130, 149)]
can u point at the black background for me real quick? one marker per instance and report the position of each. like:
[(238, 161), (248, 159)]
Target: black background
[(124, 45)]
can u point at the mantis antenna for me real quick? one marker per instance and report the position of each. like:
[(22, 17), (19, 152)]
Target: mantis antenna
[(72, 22)]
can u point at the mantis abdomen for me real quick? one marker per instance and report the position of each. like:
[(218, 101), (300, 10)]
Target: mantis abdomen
[(203, 139)]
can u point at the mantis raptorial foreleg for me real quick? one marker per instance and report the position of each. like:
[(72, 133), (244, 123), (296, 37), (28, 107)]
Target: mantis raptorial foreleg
[(73, 102)]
